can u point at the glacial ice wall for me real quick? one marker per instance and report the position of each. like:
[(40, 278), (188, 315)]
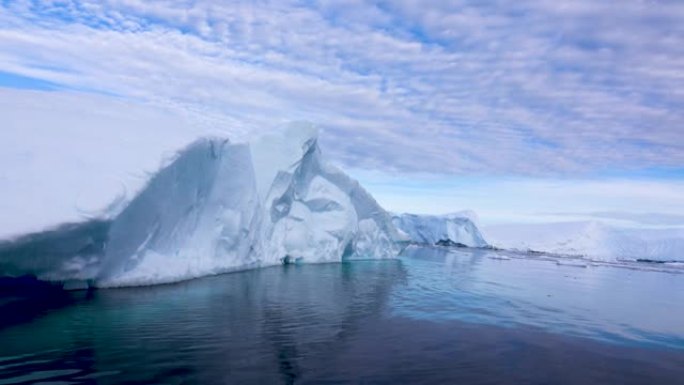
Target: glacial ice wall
[(216, 207), (439, 229), (195, 217), (317, 213)]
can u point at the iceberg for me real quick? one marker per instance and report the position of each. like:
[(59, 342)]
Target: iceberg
[(592, 240), (214, 207), (456, 229)]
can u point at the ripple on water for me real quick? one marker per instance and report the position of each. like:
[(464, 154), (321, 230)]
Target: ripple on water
[(432, 316)]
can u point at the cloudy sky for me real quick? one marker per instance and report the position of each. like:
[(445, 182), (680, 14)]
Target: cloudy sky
[(520, 110)]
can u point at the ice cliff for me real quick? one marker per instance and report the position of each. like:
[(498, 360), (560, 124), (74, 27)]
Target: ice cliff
[(216, 206), (450, 229)]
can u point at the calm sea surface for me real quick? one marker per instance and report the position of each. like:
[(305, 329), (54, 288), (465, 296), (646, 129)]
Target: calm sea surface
[(436, 316)]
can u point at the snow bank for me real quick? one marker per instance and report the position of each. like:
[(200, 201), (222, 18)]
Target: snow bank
[(590, 239), (440, 229), (212, 207)]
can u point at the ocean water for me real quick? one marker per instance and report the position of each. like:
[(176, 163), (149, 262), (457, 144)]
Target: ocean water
[(434, 316)]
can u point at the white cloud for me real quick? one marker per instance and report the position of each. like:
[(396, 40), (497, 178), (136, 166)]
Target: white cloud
[(632, 202), (529, 87)]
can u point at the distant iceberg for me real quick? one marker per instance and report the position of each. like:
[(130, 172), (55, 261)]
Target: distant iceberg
[(591, 239), (450, 230), (214, 207)]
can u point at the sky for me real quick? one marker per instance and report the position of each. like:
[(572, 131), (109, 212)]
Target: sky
[(520, 110)]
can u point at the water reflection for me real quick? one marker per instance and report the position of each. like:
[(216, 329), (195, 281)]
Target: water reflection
[(255, 325), (436, 315), (493, 287)]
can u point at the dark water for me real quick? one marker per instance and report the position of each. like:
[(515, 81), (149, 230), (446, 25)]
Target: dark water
[(432, 316)]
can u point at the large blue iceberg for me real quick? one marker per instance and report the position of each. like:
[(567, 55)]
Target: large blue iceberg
[(215, 207)]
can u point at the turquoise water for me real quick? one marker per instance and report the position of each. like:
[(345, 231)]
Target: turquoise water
[(432, 316)]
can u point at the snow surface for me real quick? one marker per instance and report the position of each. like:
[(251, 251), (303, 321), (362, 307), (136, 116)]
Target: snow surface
[(431, 229), (114, 203), (591, 239)]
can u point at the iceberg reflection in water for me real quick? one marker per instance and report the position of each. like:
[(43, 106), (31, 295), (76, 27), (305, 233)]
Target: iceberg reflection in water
[(434, 316), (260, 325)]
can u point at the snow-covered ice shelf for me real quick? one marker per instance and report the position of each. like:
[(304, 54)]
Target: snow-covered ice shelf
[(591, 240)]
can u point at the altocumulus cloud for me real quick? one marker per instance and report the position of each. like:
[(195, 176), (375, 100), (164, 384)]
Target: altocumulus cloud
[(508, 87)]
